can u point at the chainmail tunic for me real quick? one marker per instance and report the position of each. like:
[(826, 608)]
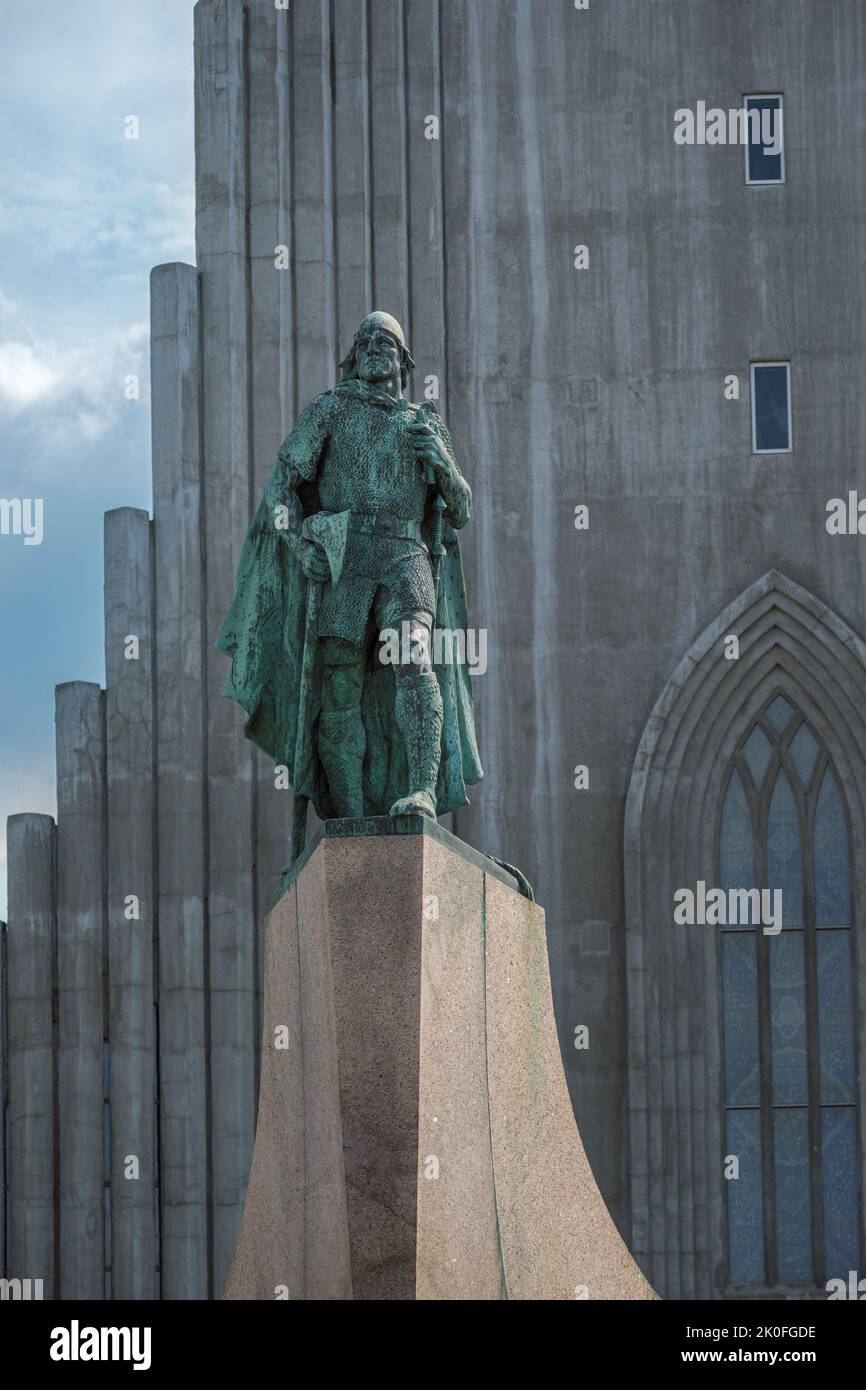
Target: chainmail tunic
[(360, 453)]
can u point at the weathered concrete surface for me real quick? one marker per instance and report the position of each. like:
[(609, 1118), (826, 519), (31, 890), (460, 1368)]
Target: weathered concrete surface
[(227, 497), (131, 902), (29, 1029), (415, 1135), (80, 727), (180, 764), (605, 387)]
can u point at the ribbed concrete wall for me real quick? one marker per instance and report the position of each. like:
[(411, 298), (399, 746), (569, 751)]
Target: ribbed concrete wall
[(561, 386)]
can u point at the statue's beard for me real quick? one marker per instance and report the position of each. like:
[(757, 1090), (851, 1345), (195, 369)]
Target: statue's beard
[(378, 371)]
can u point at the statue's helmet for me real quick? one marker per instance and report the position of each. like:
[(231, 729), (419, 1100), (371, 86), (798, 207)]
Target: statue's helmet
[(388, 324)]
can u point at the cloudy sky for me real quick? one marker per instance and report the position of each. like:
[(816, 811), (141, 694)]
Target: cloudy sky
[(84, 214)]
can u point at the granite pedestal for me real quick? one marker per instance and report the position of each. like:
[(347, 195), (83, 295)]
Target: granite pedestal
[(415, 1137)]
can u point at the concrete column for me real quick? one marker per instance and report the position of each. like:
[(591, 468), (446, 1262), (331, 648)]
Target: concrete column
[(388, 153), (466, 361), (424, 173), (313, 200), (314, 332), (270, 327), (353, 231), (315, 350), (31, 1057), (131, 901), (500, 152), (223, 255), (286, 213), (80, 726), (269, 228), (180, 756)]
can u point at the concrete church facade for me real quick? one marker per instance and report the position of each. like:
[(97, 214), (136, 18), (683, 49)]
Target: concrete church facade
[(578, 291)]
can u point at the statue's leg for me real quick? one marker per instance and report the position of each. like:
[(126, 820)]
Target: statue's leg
[(419, 716), (342, 737)]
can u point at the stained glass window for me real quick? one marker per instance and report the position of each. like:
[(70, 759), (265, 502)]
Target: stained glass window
[(804, 751), (785, 850), (832, 889), (737, 847), (740, 976), (757, 751), (788, 1012), (780, 713)]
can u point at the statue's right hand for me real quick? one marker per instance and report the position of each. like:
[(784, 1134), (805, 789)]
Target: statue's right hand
[(314, 562)]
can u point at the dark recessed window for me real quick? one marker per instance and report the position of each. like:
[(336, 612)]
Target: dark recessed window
[(771, 408), (765, 149)]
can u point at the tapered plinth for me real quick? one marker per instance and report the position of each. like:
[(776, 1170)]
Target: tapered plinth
[(415, 1137)]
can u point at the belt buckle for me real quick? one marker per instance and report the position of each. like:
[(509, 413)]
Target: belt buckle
[(385, 525)]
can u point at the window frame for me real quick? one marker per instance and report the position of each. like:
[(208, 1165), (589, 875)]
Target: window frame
[(770, 362), (765, 96)]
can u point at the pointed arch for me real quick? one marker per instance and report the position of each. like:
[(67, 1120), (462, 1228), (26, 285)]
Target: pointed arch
[(789, 643)]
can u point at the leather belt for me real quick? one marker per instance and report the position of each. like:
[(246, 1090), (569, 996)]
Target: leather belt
[(395, 526)]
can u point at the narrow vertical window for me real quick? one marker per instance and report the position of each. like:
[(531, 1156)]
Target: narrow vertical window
[(788, 1013), (771, 408), (765, 144)]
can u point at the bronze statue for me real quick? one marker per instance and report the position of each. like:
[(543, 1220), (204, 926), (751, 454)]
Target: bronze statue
[(355, 540)]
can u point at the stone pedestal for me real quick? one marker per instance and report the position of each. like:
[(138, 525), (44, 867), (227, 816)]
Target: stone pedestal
[(415, 1136)]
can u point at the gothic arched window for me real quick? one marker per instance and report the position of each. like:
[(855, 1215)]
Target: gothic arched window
[(789, 1073)]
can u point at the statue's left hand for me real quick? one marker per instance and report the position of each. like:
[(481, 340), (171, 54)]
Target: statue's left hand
[(314, 561)]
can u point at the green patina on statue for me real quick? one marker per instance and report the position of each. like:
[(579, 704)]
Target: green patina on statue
[(351, 563)]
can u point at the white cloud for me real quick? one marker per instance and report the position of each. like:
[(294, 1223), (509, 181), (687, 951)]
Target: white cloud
[(23, 378), (100, 219), (65, 393)]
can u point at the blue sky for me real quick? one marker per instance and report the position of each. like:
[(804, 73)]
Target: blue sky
[(84, 214)]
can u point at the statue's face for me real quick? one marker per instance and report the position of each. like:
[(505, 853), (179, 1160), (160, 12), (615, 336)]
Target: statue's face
[(378, 356)]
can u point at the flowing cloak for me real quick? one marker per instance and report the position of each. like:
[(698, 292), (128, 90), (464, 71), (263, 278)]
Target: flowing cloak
[(263, 634)]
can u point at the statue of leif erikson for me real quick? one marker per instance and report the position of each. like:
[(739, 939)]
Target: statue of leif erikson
[(350, 570)]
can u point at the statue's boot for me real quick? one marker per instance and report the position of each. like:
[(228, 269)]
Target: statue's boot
[(342, 744), (419, 719)]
